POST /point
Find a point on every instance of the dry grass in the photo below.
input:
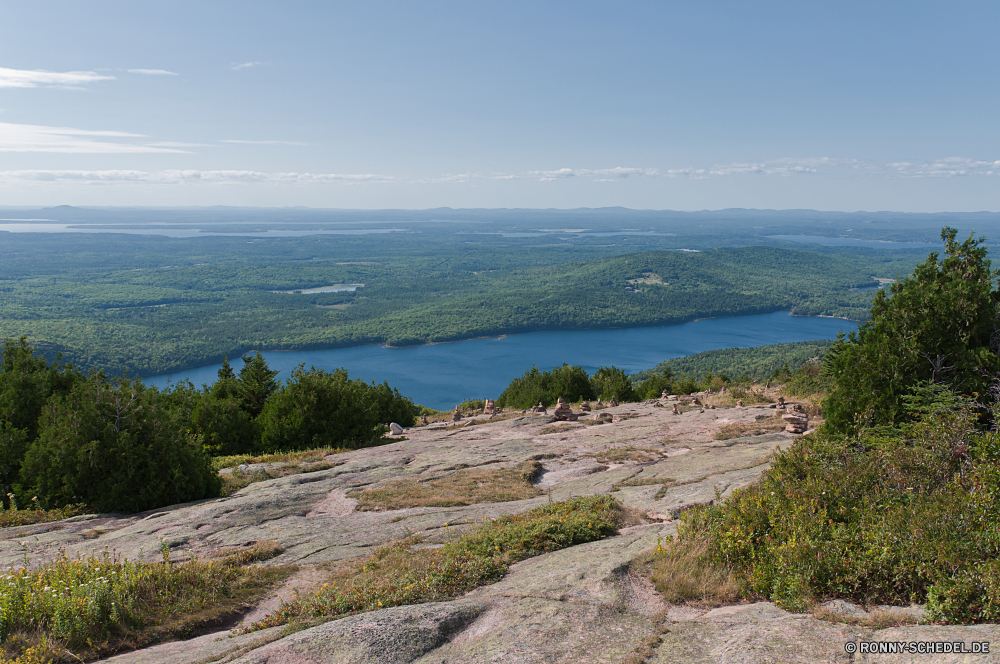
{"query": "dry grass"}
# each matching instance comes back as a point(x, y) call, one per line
point(556, 428)
point(464, 487)
point(318, 454)
point(647, 649)
point(236, 479)
point(876, 618)
point(15, 517)
point(770, 424)
point(680, 571)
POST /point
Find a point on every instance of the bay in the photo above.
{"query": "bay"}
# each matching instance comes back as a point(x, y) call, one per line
point(443, 375)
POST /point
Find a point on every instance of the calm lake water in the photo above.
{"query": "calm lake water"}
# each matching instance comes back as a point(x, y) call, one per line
point(442, 375)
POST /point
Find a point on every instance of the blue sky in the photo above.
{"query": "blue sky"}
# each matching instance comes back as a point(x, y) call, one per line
point(668, 105)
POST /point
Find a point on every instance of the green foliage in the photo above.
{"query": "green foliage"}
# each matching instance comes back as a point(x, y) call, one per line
point(116, 445)
point(610, 382)
point(891, 516)
point(937, 326)
point(545, 387)
point(654, 386)
point(97, 605)
point(758, 363)
point(27, 381)
point(327, 409)
point(256, 383)
point(397, 574)
point(216, 297)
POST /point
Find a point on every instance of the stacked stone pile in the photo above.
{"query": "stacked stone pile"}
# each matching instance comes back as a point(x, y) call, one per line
point(797, 419)
point(457, 415)
point(539, 409)
point(613, 402)
point(490, 407)
point(585, 406)
point(563, 412)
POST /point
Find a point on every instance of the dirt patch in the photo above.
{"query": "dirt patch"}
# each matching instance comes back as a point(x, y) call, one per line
point(464, 487)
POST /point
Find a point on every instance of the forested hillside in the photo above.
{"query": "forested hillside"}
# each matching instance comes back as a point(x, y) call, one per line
point(756, 363)
point(153, 318)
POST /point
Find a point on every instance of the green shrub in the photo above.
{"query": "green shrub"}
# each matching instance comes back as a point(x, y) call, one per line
point(654, 386)
point(317, 408)
point(937, 326)
point(99, 604)
point(117, 445)
point(545, 387)
point(890, 517)
point(613, 382)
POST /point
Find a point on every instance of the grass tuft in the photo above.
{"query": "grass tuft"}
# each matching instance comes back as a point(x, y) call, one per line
point(399, 574)
point(318, 454)
point(464, 487)
point(15, 517)
point(84, 608)
point(236, 479)
point(682, 573)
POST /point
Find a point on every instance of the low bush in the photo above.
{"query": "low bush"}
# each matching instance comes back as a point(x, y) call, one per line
point(116, 445)
point(545, 387)
point(398, 574)
point(890, 516)
point(18, 517)
point(101, 604)
point(681, 574)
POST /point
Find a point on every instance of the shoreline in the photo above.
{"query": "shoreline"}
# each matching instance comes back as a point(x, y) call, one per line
point(497, 337)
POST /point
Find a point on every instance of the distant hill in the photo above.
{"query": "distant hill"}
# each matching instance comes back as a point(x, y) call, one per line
point(758, 363)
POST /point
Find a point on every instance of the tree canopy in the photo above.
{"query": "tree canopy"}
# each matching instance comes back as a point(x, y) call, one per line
point(939, 325)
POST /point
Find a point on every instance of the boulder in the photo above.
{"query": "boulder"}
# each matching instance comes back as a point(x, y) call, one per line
point(395, 429)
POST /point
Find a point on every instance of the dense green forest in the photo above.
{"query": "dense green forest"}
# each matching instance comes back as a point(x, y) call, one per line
point(757, 363)
point(152, 320)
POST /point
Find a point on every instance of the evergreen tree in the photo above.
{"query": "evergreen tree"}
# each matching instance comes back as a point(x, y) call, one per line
point(613, 382)
point(938, 325)
point(256, 383)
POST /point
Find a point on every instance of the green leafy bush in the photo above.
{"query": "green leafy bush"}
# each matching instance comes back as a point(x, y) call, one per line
point(654, 386)
point(317, 408)
point(610, 382)
point(937, 325)
point(116, 445)
point(545, 387)
point(892, 516)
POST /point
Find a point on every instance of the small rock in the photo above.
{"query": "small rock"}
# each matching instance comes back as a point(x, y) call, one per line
point(395, 429)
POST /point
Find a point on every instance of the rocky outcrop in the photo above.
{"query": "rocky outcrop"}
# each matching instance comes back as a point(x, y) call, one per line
point(577, 605)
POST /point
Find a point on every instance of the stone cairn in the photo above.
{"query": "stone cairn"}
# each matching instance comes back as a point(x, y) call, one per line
point(585, 406)
point(797, 419)
point(490, 408)
point(423, 420)
point(539, 409)
point(599, 404)
point(781, 402)
point(613, 402)
point(665, 395)
point(457, 415)
point(676, 412)
point(739, 404)
point(697, 402)
point(563, 412)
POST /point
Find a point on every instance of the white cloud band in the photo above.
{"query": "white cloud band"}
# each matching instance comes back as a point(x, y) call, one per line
point(24, 78)
point(183, 177)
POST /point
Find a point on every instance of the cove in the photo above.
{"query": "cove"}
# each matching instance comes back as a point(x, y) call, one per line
point(442, 375)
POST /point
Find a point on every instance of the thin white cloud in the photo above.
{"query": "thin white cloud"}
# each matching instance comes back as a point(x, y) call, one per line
point(184, 177)
point(24, 78)
point(262, 142)
point(153, 72)
point(247, 65)
point(36, 138)
point(949, 167)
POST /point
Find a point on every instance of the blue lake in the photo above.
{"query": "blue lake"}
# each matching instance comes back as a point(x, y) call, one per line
point(442, 375)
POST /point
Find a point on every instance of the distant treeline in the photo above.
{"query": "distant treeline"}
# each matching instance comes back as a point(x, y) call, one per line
point(203, 305)
point(115, 444)
point(758, 363)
